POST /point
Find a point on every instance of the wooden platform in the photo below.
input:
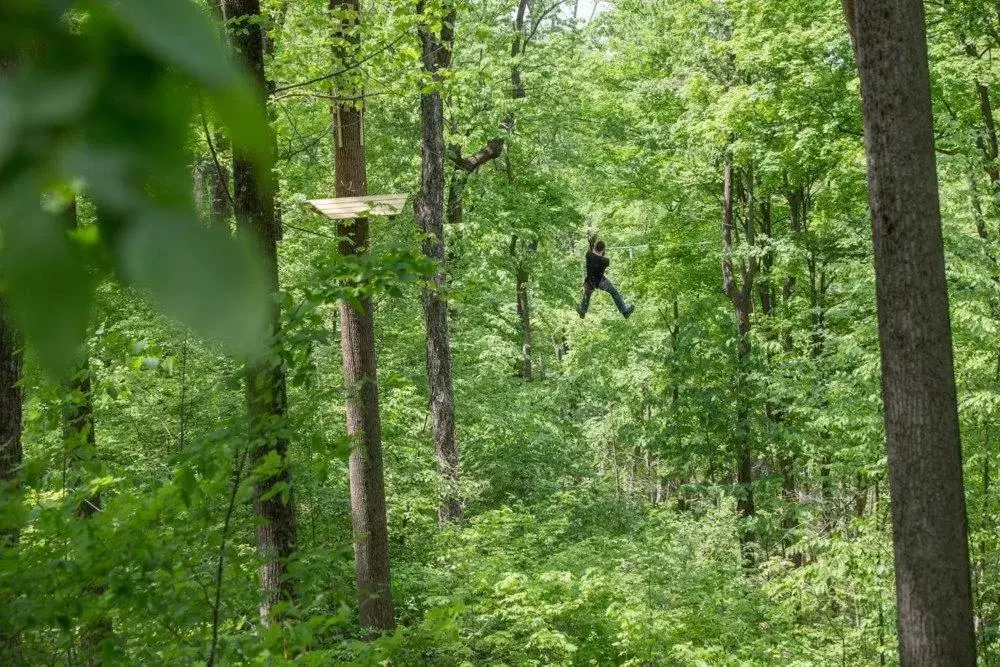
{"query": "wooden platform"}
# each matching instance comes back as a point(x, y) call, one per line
point(340, 208)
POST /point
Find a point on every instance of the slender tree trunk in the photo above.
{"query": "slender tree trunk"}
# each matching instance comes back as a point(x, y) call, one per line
point(675, 399)
point(211, 191)
point(987, 140)
point(933, 589)
point(11, 452)
point(817, 345)
point(456, 188)
point(357, 341)
point(265, 377)
point(523, 317)
point(991, 151)
point(741, 299)
point(775, 414)
point(798, 214)
point(80, 439)
point(522, 274)
point(977, 210)
point(430, 214)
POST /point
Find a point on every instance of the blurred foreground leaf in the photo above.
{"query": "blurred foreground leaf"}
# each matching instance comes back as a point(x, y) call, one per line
point(102, 93)
point(47, 284)
point(199, 275)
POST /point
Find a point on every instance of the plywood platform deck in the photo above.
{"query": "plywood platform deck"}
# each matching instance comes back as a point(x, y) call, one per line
point(340, 208)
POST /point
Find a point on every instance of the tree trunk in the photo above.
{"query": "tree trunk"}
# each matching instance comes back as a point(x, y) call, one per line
point(80, 439)
point(977, 210)
point(491, 151)
point(741, 298)
point(11, 453)
point(11, 400)
point(798, 216)
point(430, 214)
point(817, 347)
point(524, 317)
point(265, 377)
point(211, 192)
point(523, 310)
point(357, 341)
point(991, 151)
point(775, 414)
point(11, 409)
point(675, 396)
point(987, 140)
point(918, 383)
point(522, 275)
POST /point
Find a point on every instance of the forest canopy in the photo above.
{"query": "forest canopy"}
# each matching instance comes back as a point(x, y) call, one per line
point(235, 429)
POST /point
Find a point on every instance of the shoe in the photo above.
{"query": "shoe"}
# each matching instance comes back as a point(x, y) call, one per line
point(628, 311)
point(580, 312)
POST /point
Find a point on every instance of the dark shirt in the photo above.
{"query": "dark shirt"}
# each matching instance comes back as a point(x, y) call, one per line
point(596, 265)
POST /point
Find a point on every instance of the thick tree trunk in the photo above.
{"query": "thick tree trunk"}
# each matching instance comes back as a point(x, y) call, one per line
point(265, 378)
point(918, 383)
point(357, 341)
point(430, 214)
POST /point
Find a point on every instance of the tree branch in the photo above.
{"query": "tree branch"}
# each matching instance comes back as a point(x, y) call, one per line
point(491, 151)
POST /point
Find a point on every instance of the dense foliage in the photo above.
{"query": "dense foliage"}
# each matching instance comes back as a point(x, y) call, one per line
point(604, 522)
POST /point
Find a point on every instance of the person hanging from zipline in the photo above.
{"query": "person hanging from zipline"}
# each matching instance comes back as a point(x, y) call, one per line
point(594, 278)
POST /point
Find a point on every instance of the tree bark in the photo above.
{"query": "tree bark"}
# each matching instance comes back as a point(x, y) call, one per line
point(492, 150)
point(265, 377)
point(522, 276)
point(11, 451)
point(430, 214)
point(741, 299)
point(775, 414)
point(987, 140)
point(523, 311)
point(211, 191)
point(80, 439)
point(357, 340)
point(933, 589)
point(989, 145)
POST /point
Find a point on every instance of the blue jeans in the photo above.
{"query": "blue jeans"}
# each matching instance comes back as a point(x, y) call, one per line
point(608, 287)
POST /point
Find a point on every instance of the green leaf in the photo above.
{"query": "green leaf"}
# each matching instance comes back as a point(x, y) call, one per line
point(60, 98)
point(45, 281)
point(176, 31)
point(10, 119)
point(241, 112)
point(203, 277)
